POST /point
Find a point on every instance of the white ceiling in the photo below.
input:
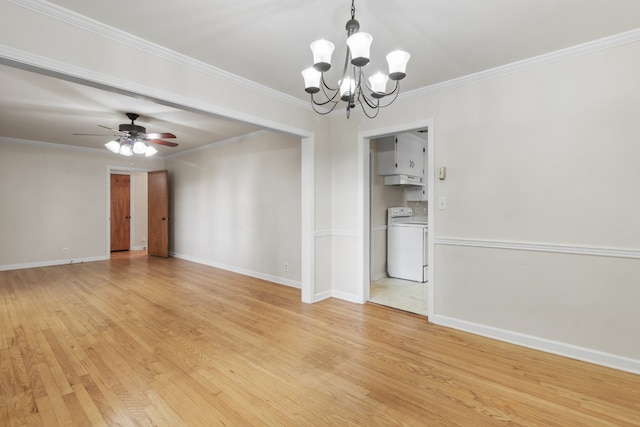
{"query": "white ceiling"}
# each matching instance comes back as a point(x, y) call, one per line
point(267, 42)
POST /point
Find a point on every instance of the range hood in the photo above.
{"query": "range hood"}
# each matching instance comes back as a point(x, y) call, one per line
point(403, 180)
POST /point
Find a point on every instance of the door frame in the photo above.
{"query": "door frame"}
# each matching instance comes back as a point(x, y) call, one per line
point(364, 206)
point(122, 170)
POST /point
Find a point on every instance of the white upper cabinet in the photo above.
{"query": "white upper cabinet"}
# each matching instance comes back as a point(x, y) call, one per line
point(417, 194)
point(401, 155)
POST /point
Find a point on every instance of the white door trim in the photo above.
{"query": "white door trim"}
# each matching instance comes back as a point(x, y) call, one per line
point(364, 256)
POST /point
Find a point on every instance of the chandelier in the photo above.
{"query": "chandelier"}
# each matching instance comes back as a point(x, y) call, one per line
point(353, 88)
point(128, 146)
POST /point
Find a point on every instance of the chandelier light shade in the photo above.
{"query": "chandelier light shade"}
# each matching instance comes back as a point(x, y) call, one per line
point(322, 51)
point(359, 45)
point(312, 79)
point(397, 61)
point(371, 94)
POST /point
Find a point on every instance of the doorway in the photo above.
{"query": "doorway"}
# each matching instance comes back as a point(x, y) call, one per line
point(372, 229)
point(397, 271)
point(120, 212)
point(135, 237)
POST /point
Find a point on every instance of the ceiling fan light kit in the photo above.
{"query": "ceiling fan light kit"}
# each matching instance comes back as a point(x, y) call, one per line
point(353, 87)
point(126, 147)
point(134, 139)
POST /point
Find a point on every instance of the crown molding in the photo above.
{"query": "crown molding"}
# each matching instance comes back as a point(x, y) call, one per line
point(81, 21)
point(53, 145)
point(64, 15)
point(215, 144)
point(536, 61)
point(60, 146)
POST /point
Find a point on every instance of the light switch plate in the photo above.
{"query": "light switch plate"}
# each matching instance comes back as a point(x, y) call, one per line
point(442, 202)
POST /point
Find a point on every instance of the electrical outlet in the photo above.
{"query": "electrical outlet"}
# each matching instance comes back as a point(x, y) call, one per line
point(286, 266)
point(65, 251)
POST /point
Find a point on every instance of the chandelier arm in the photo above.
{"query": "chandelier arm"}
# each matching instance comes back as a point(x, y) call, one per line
point(372, 107)
point(314, 104)
point(322, 113)
point(395, 92)
point(329, 98)
point(369, 101)
point(326, 86)
point(322, 103)
point(382, 95)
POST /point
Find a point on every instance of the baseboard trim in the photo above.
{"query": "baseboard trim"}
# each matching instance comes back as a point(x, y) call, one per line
point(51, 263)
point(554, 347)
point(243, 271)
point(322, 296)
point(346, 297)
point(379, 277)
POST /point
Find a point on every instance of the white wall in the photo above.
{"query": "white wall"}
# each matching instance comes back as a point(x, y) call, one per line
point(54, 198)
point(544, 158)
point(237, 205)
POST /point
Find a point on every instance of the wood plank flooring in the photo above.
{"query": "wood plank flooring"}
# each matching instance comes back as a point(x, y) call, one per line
point(141, 340)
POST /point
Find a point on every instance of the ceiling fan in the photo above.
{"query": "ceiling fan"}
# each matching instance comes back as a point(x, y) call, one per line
point(132, 138)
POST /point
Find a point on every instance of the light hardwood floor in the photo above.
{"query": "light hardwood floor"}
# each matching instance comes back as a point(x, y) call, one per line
point(151, 341)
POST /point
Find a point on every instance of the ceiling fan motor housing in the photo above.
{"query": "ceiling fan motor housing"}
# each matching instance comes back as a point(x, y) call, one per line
point(132, 129)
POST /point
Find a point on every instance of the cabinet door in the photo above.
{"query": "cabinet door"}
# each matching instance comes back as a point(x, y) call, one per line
point(417, 194)
point(387, 156)
point(409, 156)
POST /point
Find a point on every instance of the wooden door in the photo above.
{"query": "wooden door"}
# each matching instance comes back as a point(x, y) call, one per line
point(120, 212)
point(158, 207)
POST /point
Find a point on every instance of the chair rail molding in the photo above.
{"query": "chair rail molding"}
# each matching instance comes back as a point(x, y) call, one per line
point(540, 247)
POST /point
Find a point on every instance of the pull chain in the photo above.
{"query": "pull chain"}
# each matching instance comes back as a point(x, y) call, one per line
point(353, 9)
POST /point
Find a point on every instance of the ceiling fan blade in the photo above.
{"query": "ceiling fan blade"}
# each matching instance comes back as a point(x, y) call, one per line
point(107, 127)
point(161, 142)
point(159, 135)
point(89, 134)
